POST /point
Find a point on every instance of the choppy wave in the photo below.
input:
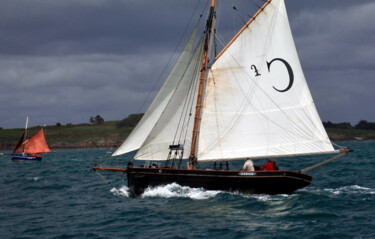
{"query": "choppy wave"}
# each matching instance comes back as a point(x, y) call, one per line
point(267, 197)
point(35, 179)
point(58, 188)
point(346, 190)
point(352, 189)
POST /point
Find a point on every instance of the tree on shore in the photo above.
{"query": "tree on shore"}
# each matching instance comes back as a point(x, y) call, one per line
point(343, 125)
point(97, 120)
point(363, 124)
point(131, 121)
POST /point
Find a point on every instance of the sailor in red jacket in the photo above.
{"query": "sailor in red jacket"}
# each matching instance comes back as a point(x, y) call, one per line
point(270, 166)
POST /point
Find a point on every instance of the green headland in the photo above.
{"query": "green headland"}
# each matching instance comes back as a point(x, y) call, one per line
point(100, 134)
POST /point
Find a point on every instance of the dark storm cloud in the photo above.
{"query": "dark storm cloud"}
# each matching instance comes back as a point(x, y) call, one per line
point(336, 50)
point(64, 61)
point(76, 27)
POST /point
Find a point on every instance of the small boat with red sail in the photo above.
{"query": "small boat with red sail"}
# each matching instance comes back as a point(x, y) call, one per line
point(32, 148)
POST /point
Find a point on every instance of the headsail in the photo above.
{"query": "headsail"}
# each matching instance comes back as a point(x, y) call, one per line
point(176, 122)
point(149, 119)
point(19, 147)
point(257, 102)
point(37, 144)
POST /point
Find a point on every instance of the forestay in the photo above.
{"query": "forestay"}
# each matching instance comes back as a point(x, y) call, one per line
point(257, 102)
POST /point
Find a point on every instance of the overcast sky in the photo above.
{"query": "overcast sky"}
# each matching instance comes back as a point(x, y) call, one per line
point(64, 61)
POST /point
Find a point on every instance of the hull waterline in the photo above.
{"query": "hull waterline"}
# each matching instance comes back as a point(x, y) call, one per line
point(257, 182)
point(25, 158)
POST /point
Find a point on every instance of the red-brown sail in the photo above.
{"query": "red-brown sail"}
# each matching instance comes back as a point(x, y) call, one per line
point(19, 148)
point(37, 144)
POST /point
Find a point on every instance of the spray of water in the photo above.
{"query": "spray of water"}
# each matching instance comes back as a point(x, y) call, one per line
point(175, 190)
point(122, 192)
point(168, 191)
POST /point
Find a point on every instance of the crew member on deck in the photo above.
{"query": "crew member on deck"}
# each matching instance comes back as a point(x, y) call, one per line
point(248, 166)
point(270, 166)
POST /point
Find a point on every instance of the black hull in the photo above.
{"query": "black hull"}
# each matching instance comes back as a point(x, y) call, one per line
point(258, 182)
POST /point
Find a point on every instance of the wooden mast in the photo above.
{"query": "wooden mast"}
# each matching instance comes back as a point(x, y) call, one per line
point(208, 32)
point(192, 157)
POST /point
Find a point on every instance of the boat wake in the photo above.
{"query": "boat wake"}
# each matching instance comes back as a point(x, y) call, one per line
point(168, 191)
point(175, 190)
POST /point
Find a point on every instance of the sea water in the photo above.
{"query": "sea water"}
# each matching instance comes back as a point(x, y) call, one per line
point(62, 197)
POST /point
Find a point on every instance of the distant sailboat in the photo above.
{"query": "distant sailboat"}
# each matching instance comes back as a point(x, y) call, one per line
point(30, 149)
point(252, 101)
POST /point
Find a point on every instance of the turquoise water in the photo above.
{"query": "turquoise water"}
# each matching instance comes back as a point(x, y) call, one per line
point(61, 197)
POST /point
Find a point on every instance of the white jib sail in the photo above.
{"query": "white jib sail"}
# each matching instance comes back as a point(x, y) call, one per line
point(149, 119)
point(175, 125)
point(257, 102)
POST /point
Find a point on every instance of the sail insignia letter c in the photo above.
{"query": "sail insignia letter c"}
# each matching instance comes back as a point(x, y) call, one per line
point(290, 72)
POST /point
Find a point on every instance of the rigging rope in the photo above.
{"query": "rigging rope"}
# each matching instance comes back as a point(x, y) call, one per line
point(185, 116)
point(170, 59)
point(101, 161)
point(192, 95)
point(105, 180)
point(339, 146)
point(105, 157)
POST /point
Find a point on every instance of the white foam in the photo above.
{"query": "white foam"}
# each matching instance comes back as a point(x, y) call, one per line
point(35, 179)
point(353, 189)
point(122, 192)
point(175, 190)
point(268, 198)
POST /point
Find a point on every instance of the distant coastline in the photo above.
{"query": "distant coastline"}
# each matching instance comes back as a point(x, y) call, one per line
point(112, 133)
point(114, 144)
point(106, 143)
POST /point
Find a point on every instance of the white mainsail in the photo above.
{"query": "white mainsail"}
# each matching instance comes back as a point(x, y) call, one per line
point(149, 119)
point(175, 125)
point(257, 102)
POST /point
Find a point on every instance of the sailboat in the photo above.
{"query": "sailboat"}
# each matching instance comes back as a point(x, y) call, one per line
point(250, 101)
point(30, 149)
